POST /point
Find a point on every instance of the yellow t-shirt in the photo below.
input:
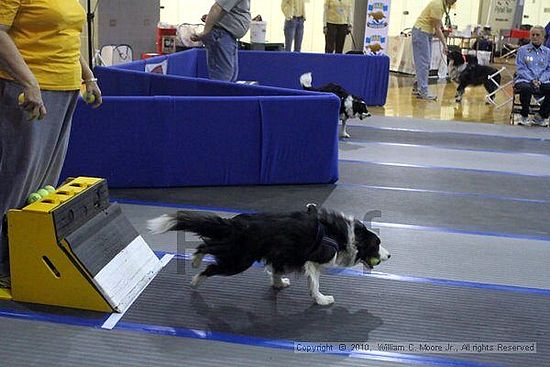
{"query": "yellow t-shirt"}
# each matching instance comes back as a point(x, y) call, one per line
point(432, 12)
point(47, 34)
point(293, 8)
point(337, 12)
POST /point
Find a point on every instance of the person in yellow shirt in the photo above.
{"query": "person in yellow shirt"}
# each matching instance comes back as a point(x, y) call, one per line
point(40, 58)
point(337, 19)
point(295, 16)
point(428, 23)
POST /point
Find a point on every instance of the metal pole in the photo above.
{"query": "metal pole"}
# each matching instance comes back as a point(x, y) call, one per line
point(90, 19)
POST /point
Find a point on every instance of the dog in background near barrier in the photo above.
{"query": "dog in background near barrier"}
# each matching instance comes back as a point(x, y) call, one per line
point(350, 106)
point(466, 71)
point(300, 241)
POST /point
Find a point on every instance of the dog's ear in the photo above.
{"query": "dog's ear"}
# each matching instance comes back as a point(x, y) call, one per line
point(366, 241)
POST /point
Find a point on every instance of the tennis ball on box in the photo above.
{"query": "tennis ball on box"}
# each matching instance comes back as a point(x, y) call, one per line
point(49, 188)
point(43, 192)
point(33, 197)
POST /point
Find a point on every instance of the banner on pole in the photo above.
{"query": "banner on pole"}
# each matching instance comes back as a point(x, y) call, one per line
point(376, 28)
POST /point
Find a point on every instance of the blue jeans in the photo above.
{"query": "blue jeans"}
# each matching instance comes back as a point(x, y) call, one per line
point(422, 53)
point(294, 31)
point(222, 56)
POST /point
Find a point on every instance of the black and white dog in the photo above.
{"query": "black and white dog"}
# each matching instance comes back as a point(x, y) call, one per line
point(301, 241)
point(350, 106)
point(465, 71)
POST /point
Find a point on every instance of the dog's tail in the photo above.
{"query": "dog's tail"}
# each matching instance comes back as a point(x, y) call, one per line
point(205, 225)
point(306, 80)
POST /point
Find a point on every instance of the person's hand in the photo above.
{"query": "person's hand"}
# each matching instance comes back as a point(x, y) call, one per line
point(536, 83)
point(325, 29)
point(32, 103)
point(196, 37)
point(92, 88)
point(350, 28)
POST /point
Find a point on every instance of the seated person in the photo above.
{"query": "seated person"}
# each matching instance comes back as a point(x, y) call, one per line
point(533, 77)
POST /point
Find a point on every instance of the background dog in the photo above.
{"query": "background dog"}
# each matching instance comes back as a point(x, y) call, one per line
point(465, 71)
point(302, 241)
point(350, 106)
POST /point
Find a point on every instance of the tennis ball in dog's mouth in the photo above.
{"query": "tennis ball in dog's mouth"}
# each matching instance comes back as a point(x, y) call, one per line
point(373, 261)
point(21, 98)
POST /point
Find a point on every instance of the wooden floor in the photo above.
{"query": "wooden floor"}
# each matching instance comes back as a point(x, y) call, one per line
point(401, 102)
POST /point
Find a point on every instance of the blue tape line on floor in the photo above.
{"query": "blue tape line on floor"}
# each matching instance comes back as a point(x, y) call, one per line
point(289, 345)
point(230, 338)
point(58, 319)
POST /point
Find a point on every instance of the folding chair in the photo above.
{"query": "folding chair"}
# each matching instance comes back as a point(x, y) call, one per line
point(115, 54)
point(504, 88)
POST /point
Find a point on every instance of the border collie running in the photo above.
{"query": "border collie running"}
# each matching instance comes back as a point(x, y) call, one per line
point(301, 241)
point(350, 106)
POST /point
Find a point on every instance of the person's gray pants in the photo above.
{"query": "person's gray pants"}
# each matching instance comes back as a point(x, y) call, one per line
point(422, 53)
point(31, 152)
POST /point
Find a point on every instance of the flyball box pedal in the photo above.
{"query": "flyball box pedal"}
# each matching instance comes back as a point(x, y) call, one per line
point(73, 248)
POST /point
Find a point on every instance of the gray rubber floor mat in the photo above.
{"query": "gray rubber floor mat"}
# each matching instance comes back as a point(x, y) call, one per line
point(451, 140)
point(447, 180)
point(49, 344)
point(366, 309)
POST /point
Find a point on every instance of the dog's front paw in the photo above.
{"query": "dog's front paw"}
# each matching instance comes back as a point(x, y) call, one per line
point(345, 135)
point(281, 283)
point(324, 300)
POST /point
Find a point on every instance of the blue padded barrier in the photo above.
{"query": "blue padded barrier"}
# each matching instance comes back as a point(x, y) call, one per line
point(116, 82)
point(206, 133)
point(362, 75)
point(365, 76)
point(167, 141)
point(290, 148)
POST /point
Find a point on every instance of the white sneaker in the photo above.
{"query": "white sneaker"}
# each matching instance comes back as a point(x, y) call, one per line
point(539, 121)
point(524, 120)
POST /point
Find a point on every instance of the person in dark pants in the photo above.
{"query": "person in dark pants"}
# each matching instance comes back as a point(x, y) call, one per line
point(533, 77)
point(337, 18)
